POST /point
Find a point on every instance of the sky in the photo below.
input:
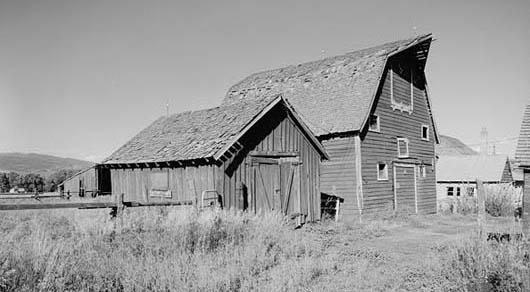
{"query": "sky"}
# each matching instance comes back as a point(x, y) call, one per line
point(80, 78)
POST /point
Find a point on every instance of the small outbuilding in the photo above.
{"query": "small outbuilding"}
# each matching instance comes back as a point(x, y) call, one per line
point(457, 175)
point(251, 155)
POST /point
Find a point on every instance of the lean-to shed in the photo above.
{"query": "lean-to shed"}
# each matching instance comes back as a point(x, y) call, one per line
point(253, 154)
point(92, 181)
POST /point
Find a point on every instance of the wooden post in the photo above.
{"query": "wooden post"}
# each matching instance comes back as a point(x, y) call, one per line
point(481, 204)
point(119, 205)
point(525, 216)
point(337, 209)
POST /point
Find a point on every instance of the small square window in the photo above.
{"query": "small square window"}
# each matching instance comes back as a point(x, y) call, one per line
point(425, 132)
point(374, 123)
point(382, 171)
point(403, 147)
point(450, 191)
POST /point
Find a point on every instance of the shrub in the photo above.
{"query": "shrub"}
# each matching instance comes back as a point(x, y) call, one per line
point(502, 199)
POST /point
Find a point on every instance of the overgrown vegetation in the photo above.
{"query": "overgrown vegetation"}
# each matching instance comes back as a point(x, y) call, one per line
point(500, 200)
point(163, 249)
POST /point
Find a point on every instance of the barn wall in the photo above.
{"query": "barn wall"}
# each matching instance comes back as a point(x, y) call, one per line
point(382, 146)
point(89, 180)
point(276, 132)
point(338, 173)
point(185, 183)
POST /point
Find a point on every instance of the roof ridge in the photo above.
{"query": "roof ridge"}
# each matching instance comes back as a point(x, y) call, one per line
point(322, 60)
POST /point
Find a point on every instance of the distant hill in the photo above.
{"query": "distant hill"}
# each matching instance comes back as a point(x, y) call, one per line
point(38, 163)
point(452, 146)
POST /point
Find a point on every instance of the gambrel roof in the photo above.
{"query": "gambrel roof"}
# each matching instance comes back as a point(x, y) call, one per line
point(522, 152)
point(335, 94)
point(202, 134)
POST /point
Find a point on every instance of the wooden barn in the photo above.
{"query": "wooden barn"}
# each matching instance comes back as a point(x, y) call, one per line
point(255, 155)
point(371, 111)
point(90, 182)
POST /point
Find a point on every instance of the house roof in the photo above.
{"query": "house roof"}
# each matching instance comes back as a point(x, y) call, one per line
point(199, 134)
point(488, 168)
point(522, 152)
point(334, 94)
point(452, 146)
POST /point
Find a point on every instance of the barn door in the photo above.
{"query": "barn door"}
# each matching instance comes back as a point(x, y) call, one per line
point(275, 185)
point(405, 188)
point(290, 182)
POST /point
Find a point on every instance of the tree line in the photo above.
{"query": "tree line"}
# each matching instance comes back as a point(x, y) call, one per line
point(33, 182)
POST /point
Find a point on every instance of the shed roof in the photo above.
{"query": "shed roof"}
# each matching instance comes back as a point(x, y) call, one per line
point(334, 94)
point(488, 168)
point(199, 134)
point(522, 152)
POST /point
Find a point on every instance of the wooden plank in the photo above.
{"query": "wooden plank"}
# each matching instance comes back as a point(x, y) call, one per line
point(71, 205)
point(525, 216)
point(481, 202)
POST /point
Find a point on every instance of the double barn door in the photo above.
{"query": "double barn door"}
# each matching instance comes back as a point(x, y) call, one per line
point(275, 184)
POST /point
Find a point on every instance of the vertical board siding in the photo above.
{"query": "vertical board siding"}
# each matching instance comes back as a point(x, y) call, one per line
point(135, 183)
point(89, 180)
point(337, 175)
point(382, 146)
point(276, 132)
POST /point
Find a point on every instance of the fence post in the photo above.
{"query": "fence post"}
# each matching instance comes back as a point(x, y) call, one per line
point(481, 204)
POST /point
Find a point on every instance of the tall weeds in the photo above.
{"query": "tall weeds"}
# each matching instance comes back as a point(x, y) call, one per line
point(154, 251)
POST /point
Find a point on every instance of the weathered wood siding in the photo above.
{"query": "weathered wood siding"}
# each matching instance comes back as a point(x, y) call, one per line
point(277, 131)
point(337, 175)
point(185, 183)
point(382, 146)
point(88, 176)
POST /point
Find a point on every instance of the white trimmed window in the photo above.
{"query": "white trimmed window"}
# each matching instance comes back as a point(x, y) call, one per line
point(382, 171)
point(425, 132)
point(450, 191)
point(374, 125)
point(403, 147)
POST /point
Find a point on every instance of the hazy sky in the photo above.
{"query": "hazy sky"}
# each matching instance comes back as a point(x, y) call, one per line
point(80, 78)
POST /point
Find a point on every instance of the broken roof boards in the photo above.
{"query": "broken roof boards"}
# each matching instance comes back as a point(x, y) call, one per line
point(338, 97)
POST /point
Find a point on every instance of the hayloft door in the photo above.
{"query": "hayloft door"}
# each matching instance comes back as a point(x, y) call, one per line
point(405, 188)
point(274, 185)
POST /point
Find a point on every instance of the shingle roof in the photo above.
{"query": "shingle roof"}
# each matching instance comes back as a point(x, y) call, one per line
point(488, 168)
point(333, 94)
point(196, 134)
point(522, 152)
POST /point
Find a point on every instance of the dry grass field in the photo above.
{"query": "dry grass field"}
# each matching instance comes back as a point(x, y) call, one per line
point(171, 249)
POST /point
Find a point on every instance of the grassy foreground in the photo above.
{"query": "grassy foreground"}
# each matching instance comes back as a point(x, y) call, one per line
point(160, 249)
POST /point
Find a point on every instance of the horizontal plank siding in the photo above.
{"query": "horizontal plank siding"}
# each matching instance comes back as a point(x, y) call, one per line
point(337, 175)
point(381, 147)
